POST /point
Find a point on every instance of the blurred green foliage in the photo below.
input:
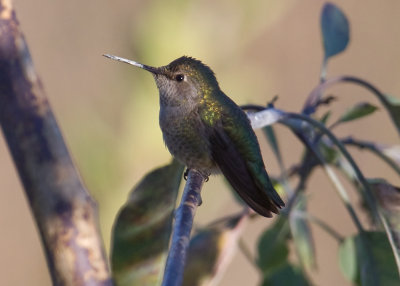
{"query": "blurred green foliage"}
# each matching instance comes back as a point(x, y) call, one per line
point(143, 227)
point(353, 261)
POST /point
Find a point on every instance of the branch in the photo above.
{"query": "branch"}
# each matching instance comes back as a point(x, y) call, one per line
point(377, 149)
point(191, 199)
point(64, 211)
point(315, 96)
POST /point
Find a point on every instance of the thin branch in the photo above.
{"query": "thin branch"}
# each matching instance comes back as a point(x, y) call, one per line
point(184, 217)
point(65, 213)
point(373, 147)
point(304, 174)
point(322, 225)
point(343, 195)
point(316, 94)
point(263, 117)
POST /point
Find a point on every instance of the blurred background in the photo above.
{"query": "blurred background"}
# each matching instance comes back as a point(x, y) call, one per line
point(108, 111)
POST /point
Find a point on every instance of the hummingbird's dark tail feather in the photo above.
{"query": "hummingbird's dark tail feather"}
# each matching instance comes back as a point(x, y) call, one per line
point(263, 200)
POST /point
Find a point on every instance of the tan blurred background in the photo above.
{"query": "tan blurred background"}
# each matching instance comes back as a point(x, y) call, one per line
point(108, 111)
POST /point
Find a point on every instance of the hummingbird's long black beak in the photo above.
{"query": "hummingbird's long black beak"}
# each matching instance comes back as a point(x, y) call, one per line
point(136, 64)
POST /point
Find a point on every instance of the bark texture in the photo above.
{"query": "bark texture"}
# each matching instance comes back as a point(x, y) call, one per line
point(64, 211)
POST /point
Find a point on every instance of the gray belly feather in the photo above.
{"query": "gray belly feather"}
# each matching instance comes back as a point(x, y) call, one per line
point(186, 139)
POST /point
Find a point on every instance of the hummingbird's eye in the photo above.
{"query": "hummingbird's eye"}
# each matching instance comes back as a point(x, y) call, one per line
point(179, 77)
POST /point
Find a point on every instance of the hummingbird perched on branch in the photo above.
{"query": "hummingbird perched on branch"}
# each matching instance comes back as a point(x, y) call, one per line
point(205, 130)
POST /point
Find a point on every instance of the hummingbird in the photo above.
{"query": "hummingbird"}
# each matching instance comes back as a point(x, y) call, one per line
point(206, 131)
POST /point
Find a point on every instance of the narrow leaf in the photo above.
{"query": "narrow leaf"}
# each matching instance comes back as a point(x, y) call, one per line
point(273, 142)
point(335, 30)
point(211, 250)
point(325, 117)
point(328, 152)
point(142, 229)
point(358, 111)
point(348, 259)
point(302, 236)
point(392, 104)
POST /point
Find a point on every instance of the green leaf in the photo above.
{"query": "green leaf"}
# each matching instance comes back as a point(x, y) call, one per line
point(348, 259)
point(288, 275)
point(142, 229)
point(211, 249)
point(272, 246)
point(273, 142)
point(301, 233)
point(358, 111)
point(392, 104)
point(325, 117)
point(335, 30)
point(354, 260)
point(330, 154)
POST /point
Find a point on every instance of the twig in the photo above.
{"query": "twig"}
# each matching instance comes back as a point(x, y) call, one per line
point(316, 94)
point(64, 211)
point(373, 148)
point(322, 225)
point(343, 195)
point(191, 199)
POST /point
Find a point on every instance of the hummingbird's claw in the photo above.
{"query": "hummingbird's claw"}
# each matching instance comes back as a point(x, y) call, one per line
point(185, 175)
point(199, 200)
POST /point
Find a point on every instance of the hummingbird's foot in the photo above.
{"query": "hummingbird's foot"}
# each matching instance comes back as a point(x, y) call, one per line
point(204, 174)
point(199, 200)
point(185, 175)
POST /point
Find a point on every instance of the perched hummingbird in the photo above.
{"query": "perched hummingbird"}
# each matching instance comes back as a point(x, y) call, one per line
point(205, 130)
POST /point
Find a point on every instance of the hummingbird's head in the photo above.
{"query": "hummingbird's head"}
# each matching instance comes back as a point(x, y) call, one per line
point(183, 82)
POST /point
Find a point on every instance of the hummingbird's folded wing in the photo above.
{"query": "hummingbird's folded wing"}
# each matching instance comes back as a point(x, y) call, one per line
point(238, 169)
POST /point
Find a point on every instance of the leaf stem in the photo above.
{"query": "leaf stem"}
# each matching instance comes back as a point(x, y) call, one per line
point(321, 224)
